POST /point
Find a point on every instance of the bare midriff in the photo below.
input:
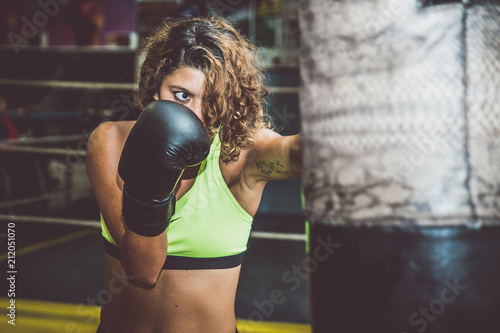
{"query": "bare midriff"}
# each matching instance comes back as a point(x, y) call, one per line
point(182, 301)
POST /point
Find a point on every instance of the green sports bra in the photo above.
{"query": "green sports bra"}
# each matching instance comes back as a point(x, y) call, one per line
point(209, 229)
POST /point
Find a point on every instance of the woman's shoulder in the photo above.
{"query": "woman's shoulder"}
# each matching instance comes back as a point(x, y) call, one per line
point(109, 135)
point(106, 143)
point(262, 136)
point(247, 158)
point(111, 130)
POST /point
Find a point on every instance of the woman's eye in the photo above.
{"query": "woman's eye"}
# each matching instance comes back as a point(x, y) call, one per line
point(182, 96)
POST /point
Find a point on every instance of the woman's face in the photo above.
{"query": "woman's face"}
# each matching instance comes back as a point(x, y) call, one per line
point(184, 86)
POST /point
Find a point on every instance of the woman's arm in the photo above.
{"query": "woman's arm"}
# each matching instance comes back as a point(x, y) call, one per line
point(274, 157)
point(142, 257)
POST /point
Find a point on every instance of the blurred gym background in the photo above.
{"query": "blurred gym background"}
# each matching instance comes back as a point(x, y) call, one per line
point(67, 66)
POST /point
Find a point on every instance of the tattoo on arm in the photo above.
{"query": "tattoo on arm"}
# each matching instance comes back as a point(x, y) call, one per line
point(268, 167)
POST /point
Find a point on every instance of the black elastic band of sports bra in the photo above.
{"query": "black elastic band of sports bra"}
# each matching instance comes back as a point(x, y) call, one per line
point(180, 262)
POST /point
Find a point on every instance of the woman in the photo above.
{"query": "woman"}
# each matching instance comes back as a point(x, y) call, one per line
point(183, 276)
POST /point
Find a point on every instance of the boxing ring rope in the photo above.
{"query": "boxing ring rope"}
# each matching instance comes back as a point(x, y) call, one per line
point(97, 225)
point(50, 220)
point(45, 151)
point(46, 196)
point(278, 236)
point(16, 145)
point(107, 85)
point(45, 139)
point(12, 146)
point(69, 84)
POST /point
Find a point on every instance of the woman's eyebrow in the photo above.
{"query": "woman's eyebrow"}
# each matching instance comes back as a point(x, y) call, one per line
point(181, 88)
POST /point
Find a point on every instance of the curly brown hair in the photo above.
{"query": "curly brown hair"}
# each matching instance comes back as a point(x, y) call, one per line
point(233, 89)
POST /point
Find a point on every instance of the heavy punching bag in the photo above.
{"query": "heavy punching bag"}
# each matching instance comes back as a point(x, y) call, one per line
point(400, 111)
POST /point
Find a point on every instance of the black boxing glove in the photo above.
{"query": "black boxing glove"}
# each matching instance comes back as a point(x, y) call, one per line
point(166, 138)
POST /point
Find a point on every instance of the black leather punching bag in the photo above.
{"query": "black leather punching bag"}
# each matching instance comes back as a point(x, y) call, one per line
point(400, 111)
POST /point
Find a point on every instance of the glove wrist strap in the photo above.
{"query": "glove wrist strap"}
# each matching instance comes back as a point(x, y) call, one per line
point(147, 219)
